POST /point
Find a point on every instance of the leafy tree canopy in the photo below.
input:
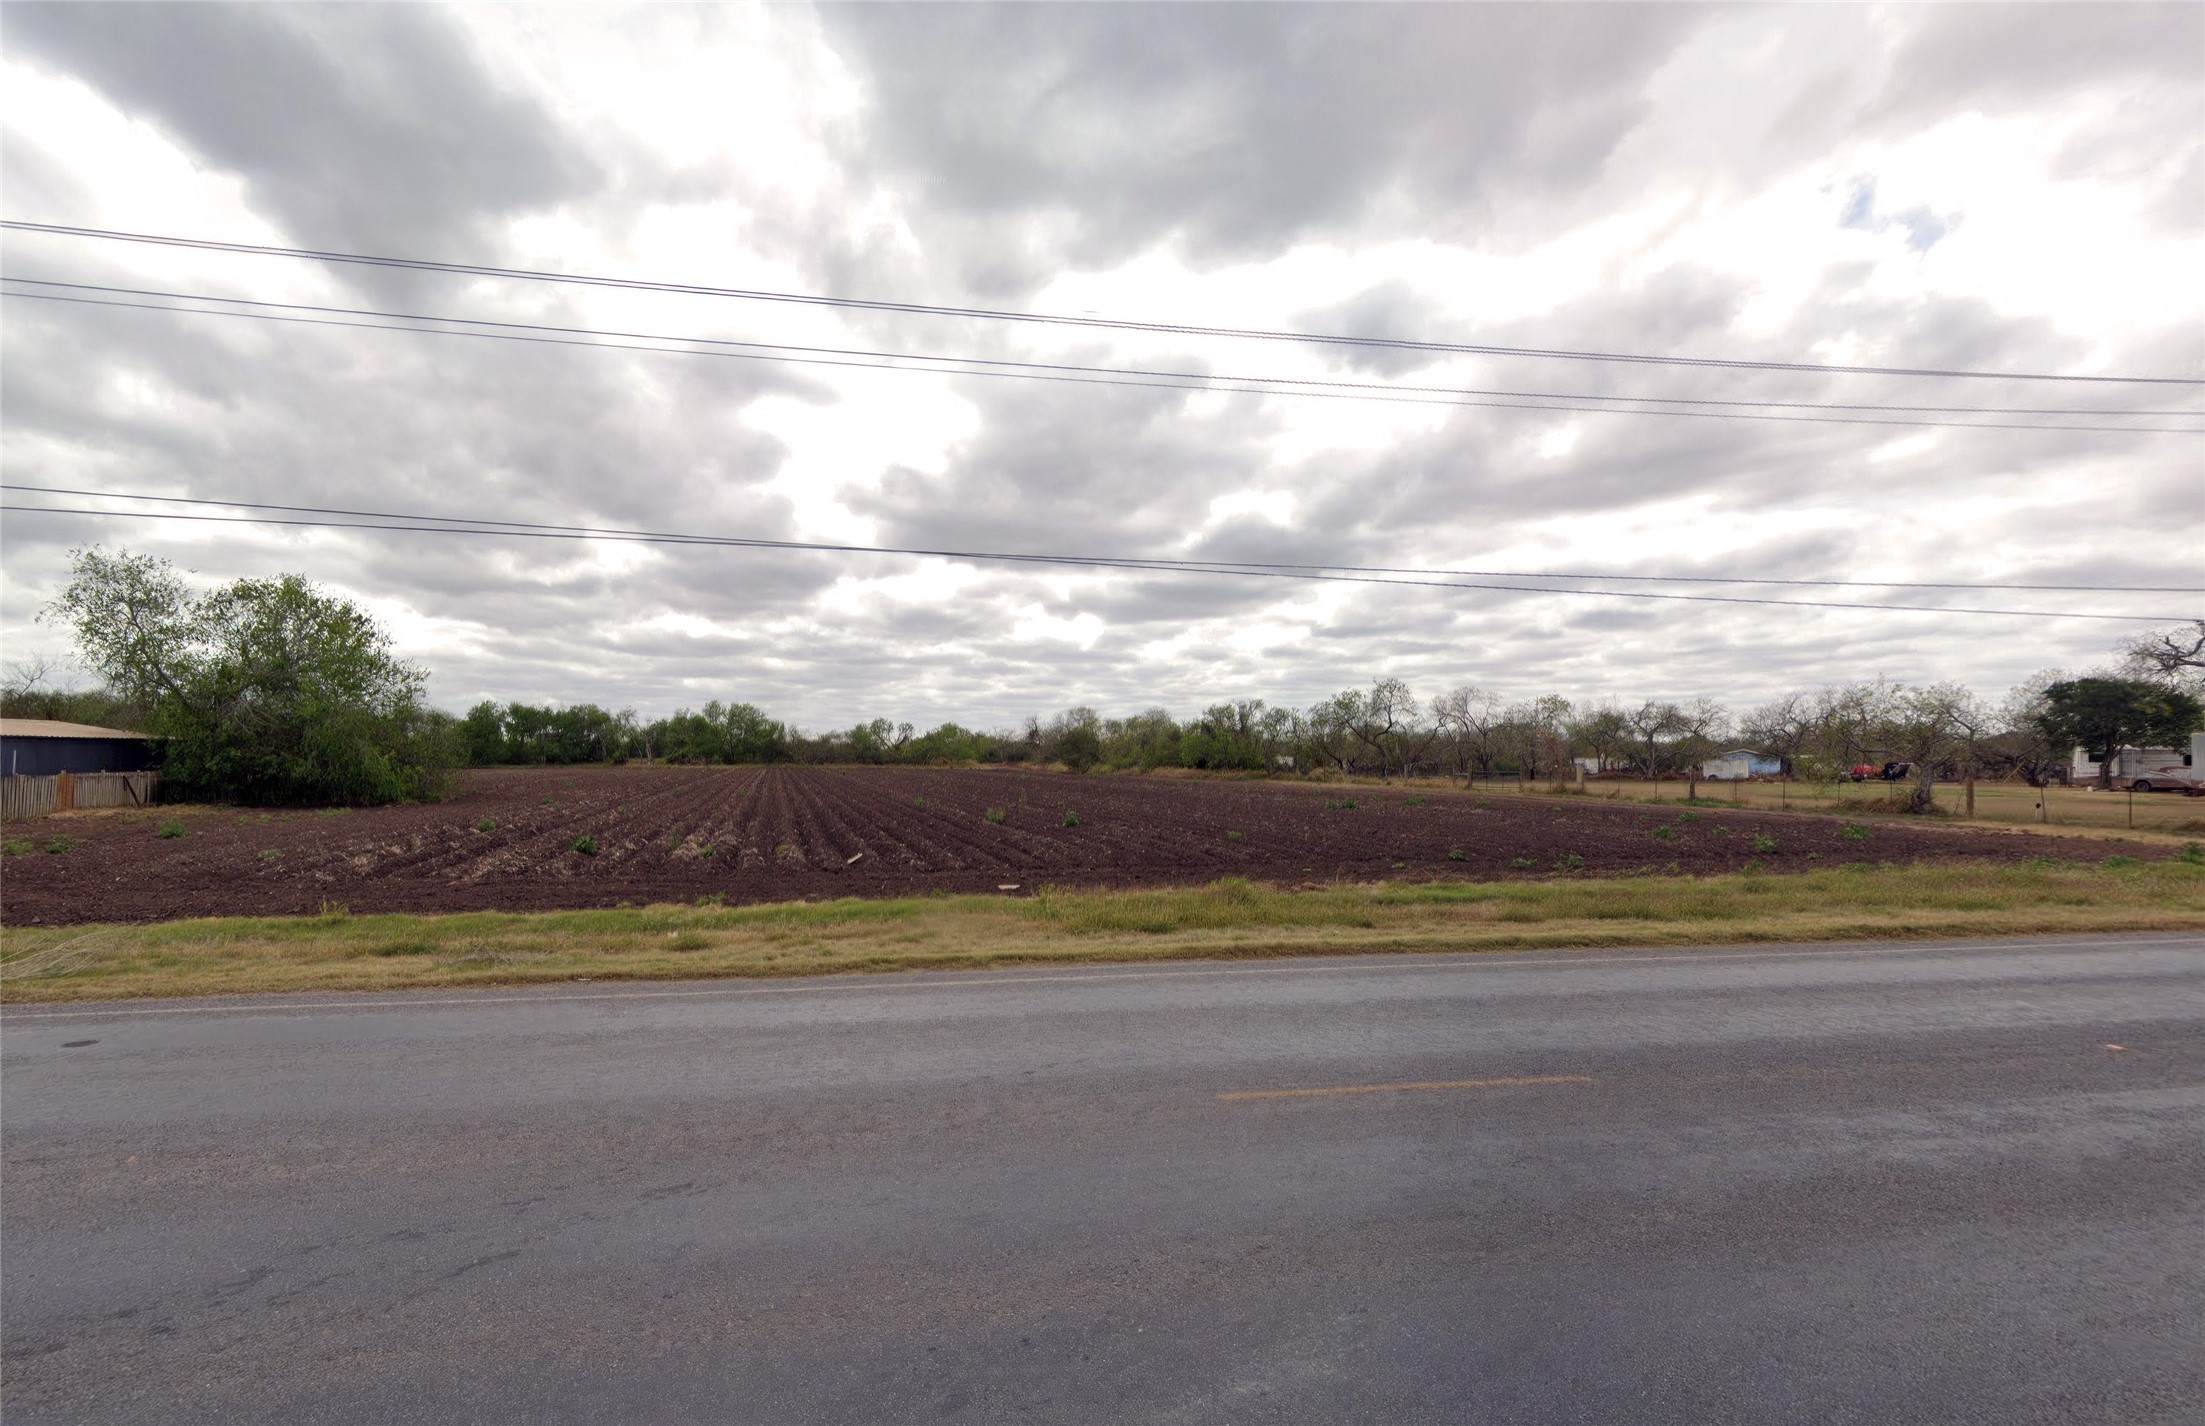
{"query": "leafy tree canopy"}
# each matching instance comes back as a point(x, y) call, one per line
point(2106, 714)
point(265, 690)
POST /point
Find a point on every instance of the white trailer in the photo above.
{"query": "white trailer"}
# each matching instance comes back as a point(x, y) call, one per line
point(2146, 769)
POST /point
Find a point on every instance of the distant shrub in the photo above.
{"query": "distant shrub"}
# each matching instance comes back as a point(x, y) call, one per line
point(586, 845)
point(172, 829)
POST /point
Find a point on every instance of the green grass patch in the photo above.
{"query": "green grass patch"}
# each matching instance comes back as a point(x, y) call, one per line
point(172, 829)
point(1232, 917)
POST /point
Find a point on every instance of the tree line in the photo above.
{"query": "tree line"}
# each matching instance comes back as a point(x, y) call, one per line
point(273, 691)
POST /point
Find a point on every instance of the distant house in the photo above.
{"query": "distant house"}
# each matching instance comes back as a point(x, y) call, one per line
point(1739, 764)
point(41, 747)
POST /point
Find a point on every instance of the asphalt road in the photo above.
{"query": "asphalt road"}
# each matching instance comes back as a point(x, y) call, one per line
point(1827, 1185)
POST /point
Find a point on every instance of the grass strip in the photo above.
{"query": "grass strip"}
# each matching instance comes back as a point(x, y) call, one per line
point(1229, 918)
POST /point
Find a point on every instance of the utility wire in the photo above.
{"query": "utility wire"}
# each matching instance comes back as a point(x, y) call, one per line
point(1378, 386)
point(1142, 561)
point(976, 366)
point(1059, 320)
point(518, 530)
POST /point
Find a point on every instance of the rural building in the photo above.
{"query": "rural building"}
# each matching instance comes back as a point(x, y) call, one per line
point(1739, 764)
point(41, 747)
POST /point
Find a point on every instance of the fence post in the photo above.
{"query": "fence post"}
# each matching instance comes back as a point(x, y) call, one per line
point(65, 793)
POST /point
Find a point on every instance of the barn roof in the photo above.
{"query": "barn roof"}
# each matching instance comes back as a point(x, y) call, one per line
point(51, 728)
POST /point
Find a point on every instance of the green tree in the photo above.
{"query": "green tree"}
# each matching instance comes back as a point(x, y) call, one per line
point(264, 690)
point(482, 735)
point(2105, 715)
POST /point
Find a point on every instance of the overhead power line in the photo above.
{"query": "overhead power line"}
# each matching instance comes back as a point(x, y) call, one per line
point(1382, 387)
point(450, 525)
point(486, 328)
point(1058, 319)
point(1139, 561)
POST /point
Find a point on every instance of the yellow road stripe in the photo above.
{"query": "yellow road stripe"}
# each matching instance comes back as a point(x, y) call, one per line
point(1336, 1089)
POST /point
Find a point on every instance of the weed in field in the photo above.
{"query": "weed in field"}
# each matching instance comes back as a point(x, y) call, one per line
point(405, 948)
point(1814, 856)
point(1664, 834)
point(1687, 818)
point(1722, 831)
point(1398, 866)
point(1232, 836)
point(1345, 804)
point(996, 815)
point(1455, 854)
point(1853, 832)
point(1071, 818)
point(61, 846)
point(332, 812)
point(2117, 861)
point(1523, 863)
point(708, 851)
point(586, 845)
point(271, 855)
point(487, 824)
point(713, 898)
point(1417, 801)
point(918, 802)
point(17, 847)
point(546, 802)
point(2193, 854)
point(333, 912)
point(172, 829)
point(688, 941)
point(1570, 862)
point(1763, 842)
point(1484, 802)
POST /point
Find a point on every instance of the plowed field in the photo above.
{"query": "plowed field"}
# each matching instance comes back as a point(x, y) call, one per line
point(505, 841)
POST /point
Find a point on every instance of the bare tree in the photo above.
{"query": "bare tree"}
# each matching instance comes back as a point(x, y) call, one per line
point(1929, 727)
point(1467, 718)
point(1782, 726)
point(2175, 655)
point(1652, 724)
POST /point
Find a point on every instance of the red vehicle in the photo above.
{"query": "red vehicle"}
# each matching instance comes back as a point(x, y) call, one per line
point(1887, 772)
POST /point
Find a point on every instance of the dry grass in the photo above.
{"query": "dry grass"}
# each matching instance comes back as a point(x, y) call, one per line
point(1230, 918)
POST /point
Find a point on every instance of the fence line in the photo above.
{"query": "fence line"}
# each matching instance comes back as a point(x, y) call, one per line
point(25, 796)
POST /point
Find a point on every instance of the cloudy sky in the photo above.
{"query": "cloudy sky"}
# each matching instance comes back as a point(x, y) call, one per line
point(1965, 187)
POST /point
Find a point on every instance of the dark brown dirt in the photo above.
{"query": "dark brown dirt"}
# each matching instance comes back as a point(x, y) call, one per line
point(778, 834)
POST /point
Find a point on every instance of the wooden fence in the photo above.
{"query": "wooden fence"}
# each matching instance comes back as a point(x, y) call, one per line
point(67, 791)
